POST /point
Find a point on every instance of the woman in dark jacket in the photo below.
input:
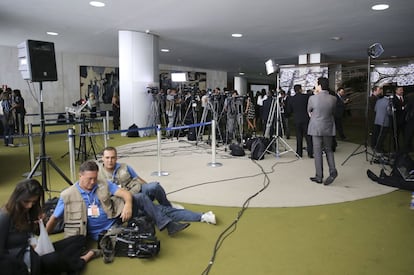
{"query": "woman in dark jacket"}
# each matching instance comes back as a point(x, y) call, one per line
point(19, 223)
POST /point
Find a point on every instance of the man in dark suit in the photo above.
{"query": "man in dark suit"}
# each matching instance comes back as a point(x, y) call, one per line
point(321, 108)
point(340, 110)
point(399, 102)
point(298, 105)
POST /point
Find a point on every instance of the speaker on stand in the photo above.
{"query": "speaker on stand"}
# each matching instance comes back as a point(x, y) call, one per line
point(37, 63)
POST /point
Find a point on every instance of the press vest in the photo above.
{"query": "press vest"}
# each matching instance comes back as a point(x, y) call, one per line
point(122, 178)
point(75, 216)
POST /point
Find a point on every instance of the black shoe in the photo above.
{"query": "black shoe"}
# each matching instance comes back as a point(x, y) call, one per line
point(315, 179)
point(175, 227)
point(330, 179)
point(310, 156)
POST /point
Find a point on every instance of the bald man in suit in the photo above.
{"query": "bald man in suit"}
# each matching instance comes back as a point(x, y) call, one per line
point(321, 109)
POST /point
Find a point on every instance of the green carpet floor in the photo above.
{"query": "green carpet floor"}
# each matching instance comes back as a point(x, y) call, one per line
point(370, 236)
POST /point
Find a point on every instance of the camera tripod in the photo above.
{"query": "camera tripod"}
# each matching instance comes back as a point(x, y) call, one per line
point(154, 114)
point(211, 110)
point(191, 107)
point(43, 158)
point(275, 109)
point(234, 125)
point(82, 148)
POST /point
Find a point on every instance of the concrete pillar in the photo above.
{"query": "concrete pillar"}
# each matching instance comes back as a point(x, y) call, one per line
point(240, 85)
point(138, 68)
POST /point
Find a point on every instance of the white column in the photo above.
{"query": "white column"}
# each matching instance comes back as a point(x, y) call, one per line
point(240, 85)
point(138, 68)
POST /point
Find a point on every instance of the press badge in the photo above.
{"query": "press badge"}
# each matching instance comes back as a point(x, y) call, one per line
point(93, 211)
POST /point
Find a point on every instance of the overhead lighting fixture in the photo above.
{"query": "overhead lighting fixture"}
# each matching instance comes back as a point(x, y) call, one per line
point(97, 4)
point(165, 50)
point(241, 73)
point(52, 33)
point(380, 7)
point(237, 35)
point(336, 38)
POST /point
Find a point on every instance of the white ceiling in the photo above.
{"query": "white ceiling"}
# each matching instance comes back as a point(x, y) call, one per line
point(198, 33)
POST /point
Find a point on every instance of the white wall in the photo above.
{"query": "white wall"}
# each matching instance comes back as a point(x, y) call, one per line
point(62, 93)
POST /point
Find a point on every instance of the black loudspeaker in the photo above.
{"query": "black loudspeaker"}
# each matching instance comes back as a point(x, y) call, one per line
point(37, 61)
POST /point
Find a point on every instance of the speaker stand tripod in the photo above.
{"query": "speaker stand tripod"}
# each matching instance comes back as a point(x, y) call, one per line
point(275, 108)
point(43, 158)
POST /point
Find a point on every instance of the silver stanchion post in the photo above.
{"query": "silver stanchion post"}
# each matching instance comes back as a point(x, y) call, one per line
point(31, 151)
point(71, 142)
point(107, 124)
point(105, 136)
point(213, 162)
point(159, 173)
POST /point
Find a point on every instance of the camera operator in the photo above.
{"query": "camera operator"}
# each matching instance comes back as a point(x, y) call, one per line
point(231, 111)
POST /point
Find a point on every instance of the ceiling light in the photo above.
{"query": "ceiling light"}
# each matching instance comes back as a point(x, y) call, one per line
point(165, 50)
point(237, 35)
point(52, 33)
point(336, 38)
point(241, 73)
point(380, 7)
point(97, 4)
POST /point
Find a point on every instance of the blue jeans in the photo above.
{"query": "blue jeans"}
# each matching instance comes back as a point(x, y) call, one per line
point(179, 215)
point(143, 203)
point(155, 191)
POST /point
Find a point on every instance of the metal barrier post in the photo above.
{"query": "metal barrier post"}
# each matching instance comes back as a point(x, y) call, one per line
point(31, 151)
point(213, 162)
point(105, 136)
point(159, 172)
point(71, 142)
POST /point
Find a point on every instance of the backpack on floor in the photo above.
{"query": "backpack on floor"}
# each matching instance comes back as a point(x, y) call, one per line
point(258, 148)
point(133, 131)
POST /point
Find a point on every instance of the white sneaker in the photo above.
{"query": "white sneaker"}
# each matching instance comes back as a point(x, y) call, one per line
point(208, 217)
point(177, 206)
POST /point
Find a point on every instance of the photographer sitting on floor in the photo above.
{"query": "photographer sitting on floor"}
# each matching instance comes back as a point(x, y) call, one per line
point(124, 176)
point(91, 206)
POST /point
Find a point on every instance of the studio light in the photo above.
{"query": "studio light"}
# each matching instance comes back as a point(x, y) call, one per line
point(271, 67)
point(375, 50)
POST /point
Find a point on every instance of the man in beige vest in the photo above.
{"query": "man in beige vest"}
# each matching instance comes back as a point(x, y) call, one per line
point(91, 206)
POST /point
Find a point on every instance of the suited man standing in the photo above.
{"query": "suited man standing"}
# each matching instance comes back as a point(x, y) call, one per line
point(298, 105)
point(340, 110)
point(399, 102)
point(321, 109)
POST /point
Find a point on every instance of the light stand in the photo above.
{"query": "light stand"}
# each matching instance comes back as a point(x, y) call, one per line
point(43, 158)
point(374, 51)
point(274, 68)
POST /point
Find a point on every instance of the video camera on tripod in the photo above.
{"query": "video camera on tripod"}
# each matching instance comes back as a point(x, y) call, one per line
point(152, 90)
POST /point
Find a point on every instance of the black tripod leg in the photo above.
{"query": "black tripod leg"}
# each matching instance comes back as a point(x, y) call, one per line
point(30, 175)
point(354, 153)
point(59, 171)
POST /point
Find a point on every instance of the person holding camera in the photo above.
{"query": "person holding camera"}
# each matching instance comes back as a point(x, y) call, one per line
point(124, 176)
